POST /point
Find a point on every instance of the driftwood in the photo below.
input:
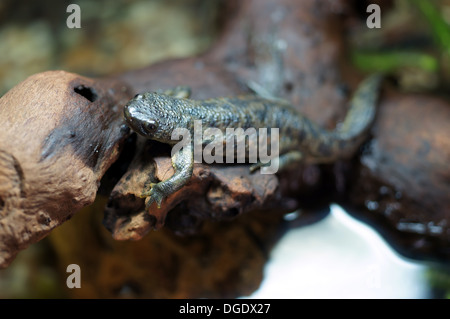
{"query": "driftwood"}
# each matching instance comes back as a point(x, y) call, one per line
point(62, 132)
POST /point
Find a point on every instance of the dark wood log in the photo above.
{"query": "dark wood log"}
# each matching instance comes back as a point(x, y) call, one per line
point(402, 182)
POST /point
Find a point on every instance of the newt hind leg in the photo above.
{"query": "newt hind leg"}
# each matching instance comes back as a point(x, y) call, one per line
point(281, 162)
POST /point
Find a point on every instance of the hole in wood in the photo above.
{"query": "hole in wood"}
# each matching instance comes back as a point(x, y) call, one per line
point(86, 92)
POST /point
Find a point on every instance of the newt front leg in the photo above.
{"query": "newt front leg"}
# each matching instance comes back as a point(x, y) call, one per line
point(183, 164)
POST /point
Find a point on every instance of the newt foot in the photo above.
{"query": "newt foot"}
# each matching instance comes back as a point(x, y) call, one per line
point(155, 194)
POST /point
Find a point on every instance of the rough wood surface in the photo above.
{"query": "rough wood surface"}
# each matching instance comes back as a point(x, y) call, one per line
point(55, 146)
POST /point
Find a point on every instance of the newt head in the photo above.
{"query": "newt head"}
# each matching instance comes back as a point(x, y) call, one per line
point(153, 116)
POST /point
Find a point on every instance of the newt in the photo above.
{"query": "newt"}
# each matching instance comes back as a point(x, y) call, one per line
point(156, 115)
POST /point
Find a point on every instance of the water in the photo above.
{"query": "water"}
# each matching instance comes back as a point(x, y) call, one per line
point(339, 257)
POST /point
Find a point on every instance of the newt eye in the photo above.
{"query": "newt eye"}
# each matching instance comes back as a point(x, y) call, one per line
point(150, 126)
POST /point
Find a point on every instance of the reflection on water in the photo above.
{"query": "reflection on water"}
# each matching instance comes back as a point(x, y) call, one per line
point(339, 257)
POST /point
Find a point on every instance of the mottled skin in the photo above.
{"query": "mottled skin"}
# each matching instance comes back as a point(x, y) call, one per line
point(156, 115)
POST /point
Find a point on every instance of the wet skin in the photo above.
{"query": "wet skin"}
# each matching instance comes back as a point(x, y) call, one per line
point(156, 115)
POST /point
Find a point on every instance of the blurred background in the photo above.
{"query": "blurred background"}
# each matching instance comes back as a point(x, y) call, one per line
point(335, 257)
point(114, 36)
